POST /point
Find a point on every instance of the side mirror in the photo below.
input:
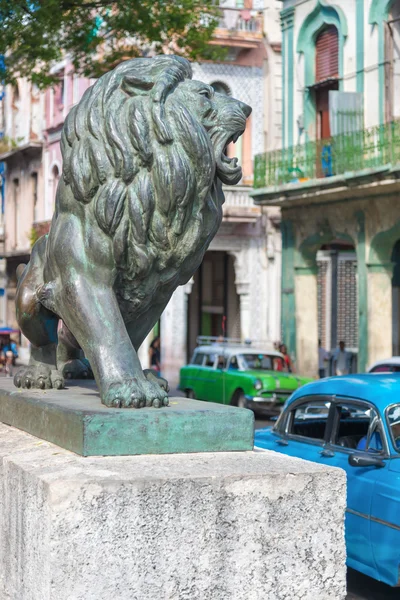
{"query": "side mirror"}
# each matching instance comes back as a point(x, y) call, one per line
point(365, 460)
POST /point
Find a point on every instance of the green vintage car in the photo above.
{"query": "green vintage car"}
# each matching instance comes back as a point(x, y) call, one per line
point(240, 375)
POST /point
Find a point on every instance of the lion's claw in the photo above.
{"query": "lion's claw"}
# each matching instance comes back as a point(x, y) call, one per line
point(134, 393)
point(38, 377)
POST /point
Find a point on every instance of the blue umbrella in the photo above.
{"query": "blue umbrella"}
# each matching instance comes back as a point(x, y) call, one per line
point(8, 330)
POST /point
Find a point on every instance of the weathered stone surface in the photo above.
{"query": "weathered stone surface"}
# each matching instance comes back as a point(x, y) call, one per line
point(227, 526)
point(75, 419)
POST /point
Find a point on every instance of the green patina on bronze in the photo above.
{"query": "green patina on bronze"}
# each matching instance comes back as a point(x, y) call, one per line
point(75, 419)
point(139, 201)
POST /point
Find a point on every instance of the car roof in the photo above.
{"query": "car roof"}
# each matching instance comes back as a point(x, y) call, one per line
point(393, 360)
point(225, 350)
point(380, 389)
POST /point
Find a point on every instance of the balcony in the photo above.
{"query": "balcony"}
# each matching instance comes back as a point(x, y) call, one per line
point(239, 206)
point(347, 159)
point(241, 28)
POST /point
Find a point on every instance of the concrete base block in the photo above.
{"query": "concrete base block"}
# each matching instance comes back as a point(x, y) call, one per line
point(223, 526)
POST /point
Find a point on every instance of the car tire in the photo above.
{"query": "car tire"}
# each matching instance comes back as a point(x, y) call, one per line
point(239, 399)
point(190, 394)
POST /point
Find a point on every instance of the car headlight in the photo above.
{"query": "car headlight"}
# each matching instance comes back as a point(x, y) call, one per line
point(258, 384)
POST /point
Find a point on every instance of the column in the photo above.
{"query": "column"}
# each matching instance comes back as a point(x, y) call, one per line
point(379, 281)
point(306, 321)
point(288, 312)
point(173, 336)
point(287, 25)
point(243, 290)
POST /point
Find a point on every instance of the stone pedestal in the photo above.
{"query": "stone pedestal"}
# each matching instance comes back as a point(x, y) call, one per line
point(76, 420)
point(226, 526)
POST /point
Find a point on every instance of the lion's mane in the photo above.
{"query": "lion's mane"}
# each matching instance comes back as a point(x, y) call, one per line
point(142, 163)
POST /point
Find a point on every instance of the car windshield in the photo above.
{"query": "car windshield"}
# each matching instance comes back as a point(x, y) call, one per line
point(266, 362)
point(393, 419)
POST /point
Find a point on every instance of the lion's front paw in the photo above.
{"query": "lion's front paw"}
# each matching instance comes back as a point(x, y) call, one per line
point(134, 393)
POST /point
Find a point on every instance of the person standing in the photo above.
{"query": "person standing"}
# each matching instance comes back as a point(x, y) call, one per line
point(323, 356)
point(341, 360)
point(286, 358)
point(155, 355)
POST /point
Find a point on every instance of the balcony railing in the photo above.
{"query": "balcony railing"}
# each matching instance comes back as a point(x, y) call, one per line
point(354, 151)
point(235, 20)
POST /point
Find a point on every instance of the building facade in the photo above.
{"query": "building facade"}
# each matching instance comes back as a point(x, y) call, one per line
point(236, 291)
point(336, 178)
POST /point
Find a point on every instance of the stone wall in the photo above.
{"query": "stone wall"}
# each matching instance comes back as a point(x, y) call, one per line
point(228, 526)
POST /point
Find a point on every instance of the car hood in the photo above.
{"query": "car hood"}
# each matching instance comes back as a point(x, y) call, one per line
point(279, 380)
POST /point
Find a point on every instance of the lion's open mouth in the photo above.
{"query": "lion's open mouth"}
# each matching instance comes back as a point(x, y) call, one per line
point(228, 169)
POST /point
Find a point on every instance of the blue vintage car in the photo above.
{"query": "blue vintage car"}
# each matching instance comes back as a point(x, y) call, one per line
point(352, 422)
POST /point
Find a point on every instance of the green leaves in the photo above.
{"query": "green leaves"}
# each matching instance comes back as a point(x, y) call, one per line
point(97, 34)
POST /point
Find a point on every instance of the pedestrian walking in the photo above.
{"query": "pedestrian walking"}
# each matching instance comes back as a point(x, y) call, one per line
point(341, 360)
point(323, 356)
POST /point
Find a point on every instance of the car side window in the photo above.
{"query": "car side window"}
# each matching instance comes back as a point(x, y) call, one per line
point(358, 427)
point(233, 363)
point(221, 362)
point(198, 359)
point(210, 360)
point(393, 419)
point(309, 419)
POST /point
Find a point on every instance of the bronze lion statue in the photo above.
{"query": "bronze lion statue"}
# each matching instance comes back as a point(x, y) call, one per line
point(139, 201)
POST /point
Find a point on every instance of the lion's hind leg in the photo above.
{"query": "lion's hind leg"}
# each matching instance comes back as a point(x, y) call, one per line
point(71, 360)
point(38, 324)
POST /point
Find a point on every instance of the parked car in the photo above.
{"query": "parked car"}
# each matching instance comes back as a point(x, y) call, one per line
point(358, 429)
point(240, 375)
point(388, 365)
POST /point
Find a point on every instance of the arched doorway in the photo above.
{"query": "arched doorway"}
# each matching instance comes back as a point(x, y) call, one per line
point(396, 299)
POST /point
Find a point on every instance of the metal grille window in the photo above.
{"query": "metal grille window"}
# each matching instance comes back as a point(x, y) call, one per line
point(322, 302)
point(347, 324)
point(327, 54)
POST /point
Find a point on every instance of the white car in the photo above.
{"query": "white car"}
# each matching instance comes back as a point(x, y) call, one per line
point(389, 365)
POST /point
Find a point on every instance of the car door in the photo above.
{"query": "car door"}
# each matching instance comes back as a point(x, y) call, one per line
point(385, 511)
point(189, 375)
point(356, 428)
point(207, 377)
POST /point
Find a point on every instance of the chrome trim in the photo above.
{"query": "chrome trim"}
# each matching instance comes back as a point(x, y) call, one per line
point(374, 519)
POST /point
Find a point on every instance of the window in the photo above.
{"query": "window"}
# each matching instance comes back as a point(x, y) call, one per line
point(327, 54)
point(393, 419)
point(16, 211)
point(233, 363)
point(386, 369)
point(210, 360)
point(54, 179)
point(198, 359)
point(358, 427)
point(309, 419)
point(221, 362)
point(263, 362)
point(35, 195)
